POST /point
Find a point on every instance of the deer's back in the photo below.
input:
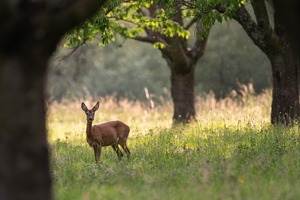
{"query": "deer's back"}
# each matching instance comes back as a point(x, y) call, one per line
point(107, 133)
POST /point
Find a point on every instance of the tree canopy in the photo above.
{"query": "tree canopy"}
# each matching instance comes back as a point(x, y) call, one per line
point(129, 20)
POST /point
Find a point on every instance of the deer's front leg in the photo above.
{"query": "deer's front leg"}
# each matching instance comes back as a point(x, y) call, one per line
point(97, 152)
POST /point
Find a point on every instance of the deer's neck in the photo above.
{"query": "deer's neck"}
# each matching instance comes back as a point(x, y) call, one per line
point(89, 129)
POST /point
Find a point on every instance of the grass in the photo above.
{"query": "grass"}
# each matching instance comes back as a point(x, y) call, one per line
point(231, 152)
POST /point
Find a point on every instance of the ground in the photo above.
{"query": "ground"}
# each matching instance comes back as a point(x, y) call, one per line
point(231, 152)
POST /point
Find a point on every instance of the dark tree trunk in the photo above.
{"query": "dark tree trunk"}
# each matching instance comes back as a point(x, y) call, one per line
point(181, 60)
point(276, 44)
point(30, 31)
point(285, 72)
point(285, 104)
point(182, 91)
point(289, 11)
point(24, 164)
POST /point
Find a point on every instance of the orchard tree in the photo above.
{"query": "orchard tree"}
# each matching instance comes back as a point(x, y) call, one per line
point(166, 26)
point(273, 40)
point(30, 31)
point(290, 15)
point(180, 57)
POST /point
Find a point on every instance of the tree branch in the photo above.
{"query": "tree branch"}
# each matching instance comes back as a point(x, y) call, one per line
point(261, 14)
point(153, 11)
point(188, 26)
point(189, 4)
point(266, 40)
point(220, 8)
point(74, 13)
point(178, 14)
point(146, 39)
point(261, 32)
point(199, 46)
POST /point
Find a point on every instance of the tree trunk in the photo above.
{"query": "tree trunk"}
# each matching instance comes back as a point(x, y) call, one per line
point(30, 31)
point(183, 95)
point(289, 11)
point(285, 104)
point(276, 44)
point(24, 165)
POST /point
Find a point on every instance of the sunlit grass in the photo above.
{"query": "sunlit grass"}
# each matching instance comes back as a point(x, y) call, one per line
point(231, 152)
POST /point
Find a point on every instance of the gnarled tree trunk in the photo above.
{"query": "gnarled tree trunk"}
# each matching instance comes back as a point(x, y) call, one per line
point(30, 31)
point(182, 91)
point(181, 60)
point(285, 101)
point(24, 164)
point(276, 44)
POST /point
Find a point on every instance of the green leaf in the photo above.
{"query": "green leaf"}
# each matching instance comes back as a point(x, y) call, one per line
point(158, 45)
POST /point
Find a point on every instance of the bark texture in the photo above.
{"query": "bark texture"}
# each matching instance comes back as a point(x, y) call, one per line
point(30, 31)
point(181, 60)
point(182, 90)
point(290, 16)
point(275, 42)
point(24, 164)
point(285, 99)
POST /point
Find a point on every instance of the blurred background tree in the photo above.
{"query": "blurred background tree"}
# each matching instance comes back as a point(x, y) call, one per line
point(268, 28)
point(165, 26)
point(230, 59)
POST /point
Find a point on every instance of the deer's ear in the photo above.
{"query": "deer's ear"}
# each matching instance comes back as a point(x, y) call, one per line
point(83, 107)
point(96, 106)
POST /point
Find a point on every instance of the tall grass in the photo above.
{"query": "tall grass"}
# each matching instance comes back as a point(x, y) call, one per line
point(231, 152)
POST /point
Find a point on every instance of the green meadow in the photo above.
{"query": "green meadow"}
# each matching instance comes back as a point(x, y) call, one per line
point(230, 152)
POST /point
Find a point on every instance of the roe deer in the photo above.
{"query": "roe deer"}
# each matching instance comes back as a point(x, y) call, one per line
point(112, 134)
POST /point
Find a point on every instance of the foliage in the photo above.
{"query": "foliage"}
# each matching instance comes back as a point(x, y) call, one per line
point(209, 11)
point(125, 72)
point(228, 62)
point(226, 154)
point(93, 26)
point(125, 19)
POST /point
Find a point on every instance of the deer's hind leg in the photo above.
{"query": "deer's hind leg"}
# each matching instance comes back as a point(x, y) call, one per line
point(125, 148)
point(97, 152)
point(117, 150)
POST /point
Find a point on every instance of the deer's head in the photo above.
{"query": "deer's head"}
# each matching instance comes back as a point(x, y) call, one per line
point(89, 113)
